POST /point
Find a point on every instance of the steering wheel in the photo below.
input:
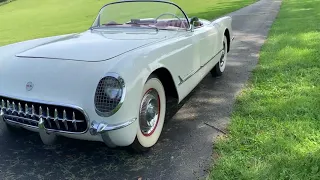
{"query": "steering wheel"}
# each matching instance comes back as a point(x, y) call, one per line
point(168, 14)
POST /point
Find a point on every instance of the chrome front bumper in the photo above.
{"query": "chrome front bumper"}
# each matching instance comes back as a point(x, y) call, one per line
point(48, 136)
point(31, 115)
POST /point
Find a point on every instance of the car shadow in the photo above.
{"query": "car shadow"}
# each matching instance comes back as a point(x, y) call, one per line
point(22, 151)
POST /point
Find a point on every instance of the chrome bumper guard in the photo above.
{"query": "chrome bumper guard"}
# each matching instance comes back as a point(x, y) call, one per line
point(101, 128)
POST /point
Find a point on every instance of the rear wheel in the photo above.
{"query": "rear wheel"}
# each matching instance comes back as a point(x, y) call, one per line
point(221, 65)
point(151, 115)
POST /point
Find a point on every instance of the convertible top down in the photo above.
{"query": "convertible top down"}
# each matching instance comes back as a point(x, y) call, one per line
point(112, 82)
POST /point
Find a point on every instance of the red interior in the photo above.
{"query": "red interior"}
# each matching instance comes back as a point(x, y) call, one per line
point(161, 24)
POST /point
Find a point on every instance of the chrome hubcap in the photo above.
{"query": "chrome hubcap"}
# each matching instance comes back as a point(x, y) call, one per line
point(222, 61)
point(149, 112)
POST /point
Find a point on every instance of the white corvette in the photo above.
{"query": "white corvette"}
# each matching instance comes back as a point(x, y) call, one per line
point(111, 82)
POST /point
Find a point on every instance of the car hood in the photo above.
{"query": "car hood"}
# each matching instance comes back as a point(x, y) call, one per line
point(92, 45)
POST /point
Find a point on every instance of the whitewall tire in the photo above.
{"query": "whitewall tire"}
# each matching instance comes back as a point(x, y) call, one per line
point(151, 115)
point(219, 68)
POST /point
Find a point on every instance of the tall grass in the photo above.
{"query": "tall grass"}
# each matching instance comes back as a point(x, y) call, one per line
point(275, 129)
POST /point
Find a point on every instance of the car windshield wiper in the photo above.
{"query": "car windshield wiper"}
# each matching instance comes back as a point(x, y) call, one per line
point(112, 24)
point(103, 25)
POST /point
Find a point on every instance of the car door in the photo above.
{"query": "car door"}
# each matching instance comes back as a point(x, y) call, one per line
point(208, 43)
point(184, 55)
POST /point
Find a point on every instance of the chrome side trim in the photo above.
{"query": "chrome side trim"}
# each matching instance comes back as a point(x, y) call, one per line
point(101, 128)
point(53, 104)
point(189, 76)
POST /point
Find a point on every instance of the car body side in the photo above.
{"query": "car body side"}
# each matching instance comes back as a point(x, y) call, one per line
point(185, 58)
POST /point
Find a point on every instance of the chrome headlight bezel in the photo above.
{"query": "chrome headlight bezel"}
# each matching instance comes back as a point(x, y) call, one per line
point(121, 84)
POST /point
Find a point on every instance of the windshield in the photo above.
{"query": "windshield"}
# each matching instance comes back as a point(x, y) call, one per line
point(142, 14)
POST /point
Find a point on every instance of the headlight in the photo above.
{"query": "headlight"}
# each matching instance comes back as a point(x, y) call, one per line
point(109, 95)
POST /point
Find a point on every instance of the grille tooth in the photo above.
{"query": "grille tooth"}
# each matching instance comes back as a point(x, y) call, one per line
point(2, 107)
point(64, 120)
point(8, 105)
point(26, 109)
point(30, 113)
point(74, 120)
point(56, 118)
point(13, 107)
point(19, 108)
point(48, 117)
point(41, 121)
point(40, 112)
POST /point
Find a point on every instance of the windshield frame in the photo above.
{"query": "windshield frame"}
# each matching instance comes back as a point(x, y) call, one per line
point(130, 1)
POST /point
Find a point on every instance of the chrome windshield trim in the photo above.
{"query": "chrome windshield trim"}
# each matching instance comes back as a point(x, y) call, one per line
point(160, 1)
point(54, 104)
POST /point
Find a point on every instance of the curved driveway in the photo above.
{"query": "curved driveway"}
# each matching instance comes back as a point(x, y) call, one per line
point(185, 148)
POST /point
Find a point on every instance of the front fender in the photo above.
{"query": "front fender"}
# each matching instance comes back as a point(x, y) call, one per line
point(224, 23)
point(135, 68)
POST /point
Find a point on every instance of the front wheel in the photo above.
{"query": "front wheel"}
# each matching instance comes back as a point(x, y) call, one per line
point(151, 115)
point(219, 68)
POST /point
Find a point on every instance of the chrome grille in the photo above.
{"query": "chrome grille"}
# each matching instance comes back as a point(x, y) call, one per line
point(57, 118)
point(104, 104)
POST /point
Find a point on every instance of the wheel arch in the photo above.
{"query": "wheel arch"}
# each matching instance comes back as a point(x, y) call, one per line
point(227, 34)
point(167, 81)
point(225, 28)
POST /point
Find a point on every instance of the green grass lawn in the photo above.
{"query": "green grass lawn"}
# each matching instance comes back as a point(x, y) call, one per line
point(27, 19)
point(275, 128)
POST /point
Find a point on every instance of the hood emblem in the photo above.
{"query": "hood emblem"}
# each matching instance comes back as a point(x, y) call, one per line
point(29, 86)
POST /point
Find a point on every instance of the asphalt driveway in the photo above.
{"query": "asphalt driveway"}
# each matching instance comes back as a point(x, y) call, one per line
point(186, 145)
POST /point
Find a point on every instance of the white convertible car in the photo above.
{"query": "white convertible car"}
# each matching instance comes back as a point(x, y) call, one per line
point(111, 82)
